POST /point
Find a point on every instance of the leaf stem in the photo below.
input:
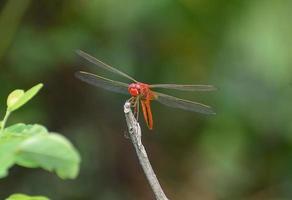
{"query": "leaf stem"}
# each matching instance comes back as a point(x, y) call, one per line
point(5, 120)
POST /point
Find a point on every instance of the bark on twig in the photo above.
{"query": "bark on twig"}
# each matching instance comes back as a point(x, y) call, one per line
point(135, 136)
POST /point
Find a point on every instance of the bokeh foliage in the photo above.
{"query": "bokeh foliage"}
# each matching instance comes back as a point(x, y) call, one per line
point(242, 47)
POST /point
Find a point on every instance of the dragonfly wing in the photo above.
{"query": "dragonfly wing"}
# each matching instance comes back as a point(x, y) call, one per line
point(185, 87)
point(175, 102)
point(103, 65)
point(102, 82)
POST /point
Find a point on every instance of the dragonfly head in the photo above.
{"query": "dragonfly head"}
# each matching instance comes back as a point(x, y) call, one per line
point(134, 89)
point(138, 89)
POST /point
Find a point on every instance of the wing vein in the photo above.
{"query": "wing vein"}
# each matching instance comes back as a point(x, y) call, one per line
point(102, 82)
point(175, 102)
point(103, 65)
point(185, 87)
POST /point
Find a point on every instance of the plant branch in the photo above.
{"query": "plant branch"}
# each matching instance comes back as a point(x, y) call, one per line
point(135, 136)
point(4, 120)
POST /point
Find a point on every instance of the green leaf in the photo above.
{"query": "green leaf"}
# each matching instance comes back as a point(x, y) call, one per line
point(10, 140)
point(16, 99)
point(26, 197)
point(14, 96)
point(22, 130)
point(8, 146)
point(52, 152)
point(33, 146)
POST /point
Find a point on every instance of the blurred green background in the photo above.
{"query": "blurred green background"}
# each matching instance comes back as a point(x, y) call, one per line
point(242, 47)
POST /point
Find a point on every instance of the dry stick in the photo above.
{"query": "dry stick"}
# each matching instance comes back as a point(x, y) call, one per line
point(135, 135)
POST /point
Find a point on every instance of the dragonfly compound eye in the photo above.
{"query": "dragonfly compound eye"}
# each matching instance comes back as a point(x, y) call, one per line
point(134, 91)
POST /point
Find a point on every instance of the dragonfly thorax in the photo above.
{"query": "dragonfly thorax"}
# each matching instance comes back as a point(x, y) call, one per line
point(136, 89)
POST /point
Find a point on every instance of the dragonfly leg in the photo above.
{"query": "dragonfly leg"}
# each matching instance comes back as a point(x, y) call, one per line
point(136, 108)
point(131, 100)
point(134, 101)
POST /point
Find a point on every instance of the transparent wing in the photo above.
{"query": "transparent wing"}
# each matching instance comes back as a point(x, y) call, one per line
point(103, 65)
point(102, 82)
point(175, 102)
point(185, 87)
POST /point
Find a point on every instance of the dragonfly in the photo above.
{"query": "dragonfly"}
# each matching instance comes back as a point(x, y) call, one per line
point(142, 93)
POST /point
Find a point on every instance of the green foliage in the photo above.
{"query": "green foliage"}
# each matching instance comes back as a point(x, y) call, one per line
point(32, 145)
point(18, 98)
point(25, 197)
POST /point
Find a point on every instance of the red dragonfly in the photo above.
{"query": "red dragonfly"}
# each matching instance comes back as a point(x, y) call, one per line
point(142, 92)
